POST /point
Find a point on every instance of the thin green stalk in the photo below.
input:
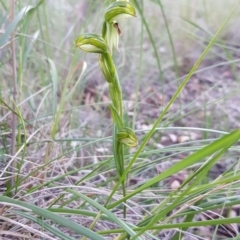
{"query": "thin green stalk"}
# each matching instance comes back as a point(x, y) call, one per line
point(93, 223)
point(170, 39)
point(61, 104)
point(46, 23)
point(151, 40)
point(139, 71)
point(212, 222)
point(14, 117)
point(205, 11)
point(20, 164)
point(172, 48)
point(42, 75)
point(3, 5)
point(120, 159)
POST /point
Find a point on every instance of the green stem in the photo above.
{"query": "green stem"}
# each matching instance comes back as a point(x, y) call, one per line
point(119, 91)
point(119, 162)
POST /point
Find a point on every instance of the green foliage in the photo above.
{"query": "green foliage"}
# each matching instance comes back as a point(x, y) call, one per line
point(76, 177)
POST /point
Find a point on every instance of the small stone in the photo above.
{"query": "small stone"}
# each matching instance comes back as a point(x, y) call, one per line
point(173, 138)
point(175, 185)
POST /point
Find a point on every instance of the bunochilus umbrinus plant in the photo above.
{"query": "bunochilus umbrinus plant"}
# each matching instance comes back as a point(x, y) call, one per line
point(103, 45)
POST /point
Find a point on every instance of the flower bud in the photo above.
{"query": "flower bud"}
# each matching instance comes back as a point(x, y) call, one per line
point(127, 137)
point(91, 42)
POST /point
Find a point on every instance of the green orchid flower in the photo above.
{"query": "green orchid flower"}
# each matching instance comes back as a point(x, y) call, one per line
point(127, 137)
point(119, 10)
point(111, 30)
point(91, 42)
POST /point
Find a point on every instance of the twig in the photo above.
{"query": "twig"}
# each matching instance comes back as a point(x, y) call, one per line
point(3, 46)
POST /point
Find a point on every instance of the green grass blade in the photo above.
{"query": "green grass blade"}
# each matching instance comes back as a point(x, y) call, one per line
point(183, 164)
point(106, 211)
point(151, 40)
point(183, 198)
point(213, 222)
point(3, 5)
point(8, 107)
point(170, 38)
point(54, 77)
point(13, 25)
point(78, 212)
point(45, 226)
point(30, 47)
point(53, 217)
point(203, 170)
